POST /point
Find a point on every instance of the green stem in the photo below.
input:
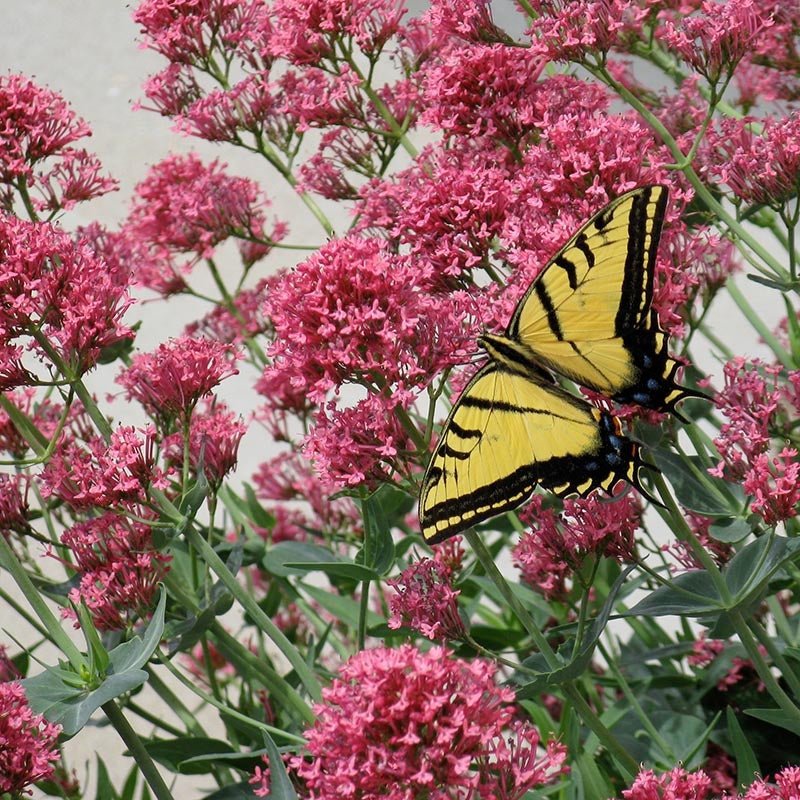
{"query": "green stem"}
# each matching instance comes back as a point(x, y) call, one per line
point(56, 634)
point(762, 668)
point(136, 746)
point(217, 565)
point(635, 705)
point(226, 709)
point(757, 322)
point(626, 763)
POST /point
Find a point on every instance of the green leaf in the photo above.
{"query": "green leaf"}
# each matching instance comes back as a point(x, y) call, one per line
point(280, 787)
point(67, 699)
point(747, 767)
point(777, 717)
point(134, 654)
point(577, 666)
point(104, 788)
point(377, 512)
point(188, 755)
point(339, 569)
point(750, 570)
point(730, 530)
point(278, 557)
point(691, 594)
point(50, 694)
point(344, 609)
point(793, 329)
point(695, 489)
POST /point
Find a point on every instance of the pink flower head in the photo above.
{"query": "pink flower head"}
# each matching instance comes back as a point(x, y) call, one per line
point(355, 313)
point(170, 381)
point(426, 601)
point(566, 30)
point(540, 554)
point(188, 31)
point(557, 544)
point(401, 723)
point(55, 288)
point(750, 400)
point(469, 20)
point(484, 90)
point(120, 571)
point(774, 484)
point(760, 168)
point(361, 444)
point(36, 128)
point(187, 207)
point(678, 784)
point(104, 473)
point(309, 31)
point(714, 41)
point(13, 504)
point(214, 436)
point(28, 743)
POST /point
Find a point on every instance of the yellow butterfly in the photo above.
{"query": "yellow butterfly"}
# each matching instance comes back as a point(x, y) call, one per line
point(588, 317)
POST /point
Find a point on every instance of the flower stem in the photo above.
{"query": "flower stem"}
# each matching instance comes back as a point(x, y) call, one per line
point(138, 751)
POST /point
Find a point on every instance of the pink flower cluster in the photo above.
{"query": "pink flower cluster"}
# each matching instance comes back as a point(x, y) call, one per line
point(28, 743)
point(680, 784)
point(120, 569)
point(183, 210)
point(170, 381)
point(37, 129)
point(355, 314)
point(104, 474)
point(555, 547)
point(401, 723)
point(755, 401)
point(59, 300)
point(425, 599)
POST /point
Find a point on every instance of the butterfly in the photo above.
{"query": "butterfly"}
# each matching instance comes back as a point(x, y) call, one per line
point(588, 318)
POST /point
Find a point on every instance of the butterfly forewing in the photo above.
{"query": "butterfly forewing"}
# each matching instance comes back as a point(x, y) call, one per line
point(588, 315)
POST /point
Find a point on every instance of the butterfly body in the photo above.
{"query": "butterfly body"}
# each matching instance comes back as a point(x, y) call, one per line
point(588, 318)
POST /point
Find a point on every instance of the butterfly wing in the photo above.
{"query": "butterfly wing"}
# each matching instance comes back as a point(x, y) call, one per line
point(588, 314)
point(508, 433)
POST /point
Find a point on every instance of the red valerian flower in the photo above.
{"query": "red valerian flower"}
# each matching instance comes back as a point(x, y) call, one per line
point(119, 569)
point(186, 208)
point(308, 31)
point(28, 743)
point(356, 314)
point(759, 159)
point(214, 436)
point(715, 40)
point(678, 784)
point(774, 484)
point(171, 380)
point(100, 473)
point(400, 724)
point(37, 127)
point(55, 288)
point(426, 601)
point(557, 544)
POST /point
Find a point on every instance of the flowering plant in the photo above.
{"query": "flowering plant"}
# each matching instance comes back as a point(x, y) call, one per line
point(598, 647)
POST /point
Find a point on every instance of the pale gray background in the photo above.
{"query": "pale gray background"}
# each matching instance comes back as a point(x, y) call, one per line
point(87, 51)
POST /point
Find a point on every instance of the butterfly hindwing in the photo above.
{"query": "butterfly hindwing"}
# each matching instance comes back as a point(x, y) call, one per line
point(588, 314)
point(509, 433)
